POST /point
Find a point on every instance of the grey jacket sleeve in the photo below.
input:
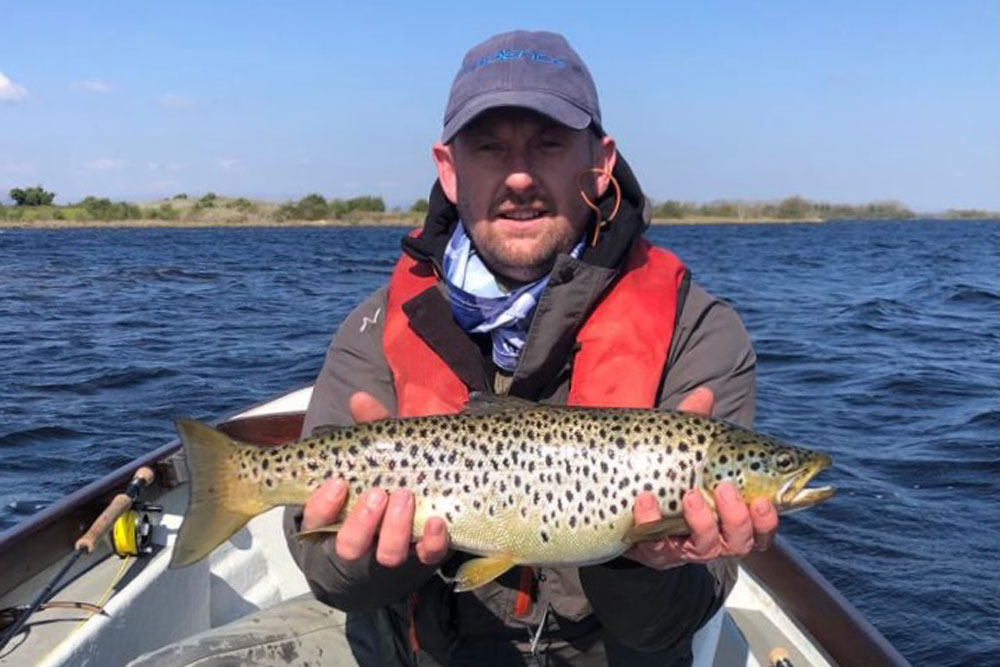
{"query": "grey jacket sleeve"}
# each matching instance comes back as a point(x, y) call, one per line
point(354, 362)
point(652, 610)
point(711, 348)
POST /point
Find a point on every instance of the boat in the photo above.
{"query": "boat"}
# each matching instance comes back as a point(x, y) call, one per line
point(780, 605)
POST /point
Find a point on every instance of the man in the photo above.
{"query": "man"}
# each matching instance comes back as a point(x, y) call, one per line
point(514, 285)
point(510, 287)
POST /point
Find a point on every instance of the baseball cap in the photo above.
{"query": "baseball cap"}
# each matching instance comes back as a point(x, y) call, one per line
point(533, 70)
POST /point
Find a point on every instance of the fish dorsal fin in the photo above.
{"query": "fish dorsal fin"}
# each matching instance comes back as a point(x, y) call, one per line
point(481, 403)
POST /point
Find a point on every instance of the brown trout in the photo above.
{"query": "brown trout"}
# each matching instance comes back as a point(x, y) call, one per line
point(516, 482)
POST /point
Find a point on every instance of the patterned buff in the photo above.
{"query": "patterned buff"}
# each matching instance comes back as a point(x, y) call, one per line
point(480, 305)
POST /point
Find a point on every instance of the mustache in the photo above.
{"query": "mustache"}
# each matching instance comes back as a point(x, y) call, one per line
point(531, 199)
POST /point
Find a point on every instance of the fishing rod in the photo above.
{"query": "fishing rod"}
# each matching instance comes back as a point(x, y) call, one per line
point(120, 504)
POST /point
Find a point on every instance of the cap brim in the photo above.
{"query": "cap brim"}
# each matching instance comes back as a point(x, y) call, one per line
point(546, 104)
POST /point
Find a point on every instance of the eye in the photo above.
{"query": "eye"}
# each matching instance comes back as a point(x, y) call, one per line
point(784, 461)
point(488, 147)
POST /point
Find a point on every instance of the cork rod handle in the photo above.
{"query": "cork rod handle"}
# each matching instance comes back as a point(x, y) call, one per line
point(119, 505)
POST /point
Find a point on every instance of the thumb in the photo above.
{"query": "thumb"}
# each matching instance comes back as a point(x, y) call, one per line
point(366, 408)
point(701, 401)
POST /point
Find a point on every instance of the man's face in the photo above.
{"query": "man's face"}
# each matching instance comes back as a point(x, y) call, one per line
point(513, 174)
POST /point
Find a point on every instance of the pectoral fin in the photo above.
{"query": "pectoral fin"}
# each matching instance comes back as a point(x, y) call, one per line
point(479, 571)
point(657, 530)
point(316, 534)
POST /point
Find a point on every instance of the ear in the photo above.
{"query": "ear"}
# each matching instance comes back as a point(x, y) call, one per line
point(605, 156)
point(444, 161)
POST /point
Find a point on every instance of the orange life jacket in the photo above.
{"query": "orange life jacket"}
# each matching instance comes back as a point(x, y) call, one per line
point(622, 347)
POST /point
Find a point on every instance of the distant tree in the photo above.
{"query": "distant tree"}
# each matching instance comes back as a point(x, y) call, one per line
point(244, 205)
point(367, 203)
point(888, 210)
point(312, 207)
point(420, 206)
point(207, 201)
point(339, 208)
point(181, 196)
point(669, 209)
point(104, 209)
point(796, 207)
point(34, 196)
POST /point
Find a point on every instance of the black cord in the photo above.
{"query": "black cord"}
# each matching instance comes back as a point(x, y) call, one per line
point(42, 598)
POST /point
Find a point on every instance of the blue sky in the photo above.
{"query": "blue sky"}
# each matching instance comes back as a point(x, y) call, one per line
point(837, 101)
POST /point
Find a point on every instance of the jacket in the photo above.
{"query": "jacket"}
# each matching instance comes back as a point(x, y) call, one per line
point(637, 608)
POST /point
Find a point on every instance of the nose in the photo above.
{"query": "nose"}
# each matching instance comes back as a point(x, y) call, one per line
point(519, 172)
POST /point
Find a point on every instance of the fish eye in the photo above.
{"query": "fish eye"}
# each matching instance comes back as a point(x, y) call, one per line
point(784, 461)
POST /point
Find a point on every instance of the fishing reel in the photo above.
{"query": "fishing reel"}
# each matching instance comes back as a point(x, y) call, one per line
point(132, 531)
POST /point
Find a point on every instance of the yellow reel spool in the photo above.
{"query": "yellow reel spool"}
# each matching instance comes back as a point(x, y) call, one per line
point(124, 538)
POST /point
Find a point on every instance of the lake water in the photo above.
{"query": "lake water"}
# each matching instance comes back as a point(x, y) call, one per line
point(877, 343)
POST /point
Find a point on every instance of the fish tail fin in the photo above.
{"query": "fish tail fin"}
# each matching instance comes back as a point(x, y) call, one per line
point(218, 504)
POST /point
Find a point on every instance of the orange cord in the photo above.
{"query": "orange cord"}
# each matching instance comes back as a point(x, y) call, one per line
point(601, 224)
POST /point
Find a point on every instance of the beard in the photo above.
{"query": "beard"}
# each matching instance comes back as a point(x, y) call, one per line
point(519, 255)
point(518, 258)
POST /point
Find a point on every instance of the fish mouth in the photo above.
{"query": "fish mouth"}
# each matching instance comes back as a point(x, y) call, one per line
point(794, 495)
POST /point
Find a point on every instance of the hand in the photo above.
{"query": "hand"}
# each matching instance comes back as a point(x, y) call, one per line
point(739, 527)
point(393, 512)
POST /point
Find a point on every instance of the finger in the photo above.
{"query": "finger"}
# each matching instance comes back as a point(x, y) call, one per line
point(734, 520)
point(325, 503)
point(366, 408)
point(764, 518)
point(700, 400)
point(646, 508)
point(703, 543)
point(355, 537)
point(433, 546)
point(396, 532)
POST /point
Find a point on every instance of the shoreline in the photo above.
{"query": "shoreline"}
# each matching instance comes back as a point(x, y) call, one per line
point(400, 222)
point(203, 224)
